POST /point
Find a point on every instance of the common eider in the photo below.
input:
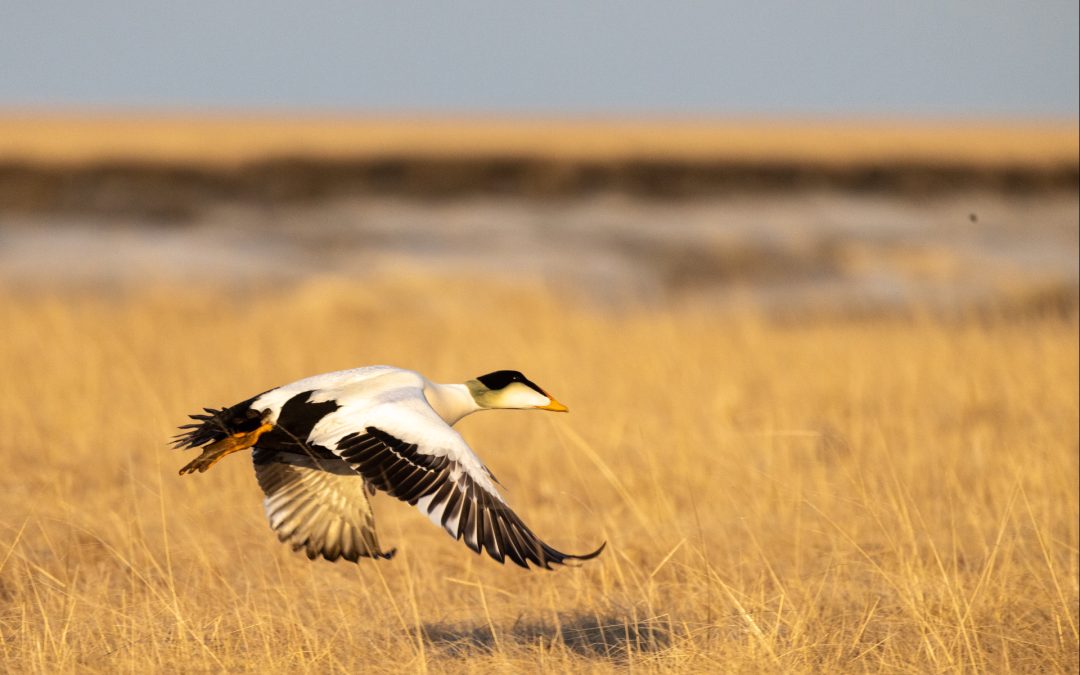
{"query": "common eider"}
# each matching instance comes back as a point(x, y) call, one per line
point(320, 445)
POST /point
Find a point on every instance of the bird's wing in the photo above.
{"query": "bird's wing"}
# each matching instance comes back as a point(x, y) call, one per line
point(317, 504)
point(405, 449)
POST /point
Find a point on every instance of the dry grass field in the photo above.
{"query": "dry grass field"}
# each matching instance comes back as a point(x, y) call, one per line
point(890, 494)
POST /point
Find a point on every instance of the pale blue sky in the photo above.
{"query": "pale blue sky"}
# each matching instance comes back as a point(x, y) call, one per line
point(831, 58)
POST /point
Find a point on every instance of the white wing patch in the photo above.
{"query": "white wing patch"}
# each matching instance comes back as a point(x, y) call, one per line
point(318, 505)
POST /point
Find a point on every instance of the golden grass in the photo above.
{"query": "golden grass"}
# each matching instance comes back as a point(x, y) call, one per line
point(838, 496)
point(228, 140)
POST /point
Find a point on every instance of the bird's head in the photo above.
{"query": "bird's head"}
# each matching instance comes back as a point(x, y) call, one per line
point(511, 389)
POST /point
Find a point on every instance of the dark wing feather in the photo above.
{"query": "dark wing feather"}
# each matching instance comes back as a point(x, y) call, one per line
point(452, 498)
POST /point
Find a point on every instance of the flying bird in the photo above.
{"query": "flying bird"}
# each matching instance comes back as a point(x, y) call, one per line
point(322, 444)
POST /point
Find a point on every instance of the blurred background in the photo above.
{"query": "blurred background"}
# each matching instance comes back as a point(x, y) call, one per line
point(838, 156)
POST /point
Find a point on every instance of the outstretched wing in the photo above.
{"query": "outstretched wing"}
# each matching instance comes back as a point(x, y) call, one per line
point(317, 504)
point(409, 452)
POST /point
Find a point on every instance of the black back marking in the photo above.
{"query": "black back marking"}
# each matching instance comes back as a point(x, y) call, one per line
point(504, 378)
point(294, 424)
point(268, 454)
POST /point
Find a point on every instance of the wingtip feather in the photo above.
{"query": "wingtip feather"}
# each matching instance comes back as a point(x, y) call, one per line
point(590, 556)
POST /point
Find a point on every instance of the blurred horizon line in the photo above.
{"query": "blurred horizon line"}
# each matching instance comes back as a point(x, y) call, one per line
point(239, 137)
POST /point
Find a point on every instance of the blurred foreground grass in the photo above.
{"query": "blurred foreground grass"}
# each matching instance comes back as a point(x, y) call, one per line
point(831, 495)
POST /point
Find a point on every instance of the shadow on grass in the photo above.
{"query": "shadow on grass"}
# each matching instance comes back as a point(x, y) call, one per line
point(594, 636)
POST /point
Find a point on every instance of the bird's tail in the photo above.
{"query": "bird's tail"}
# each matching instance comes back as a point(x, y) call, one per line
point(213, 425)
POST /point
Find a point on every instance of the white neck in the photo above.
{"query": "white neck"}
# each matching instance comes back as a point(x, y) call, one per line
point(451, 401)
